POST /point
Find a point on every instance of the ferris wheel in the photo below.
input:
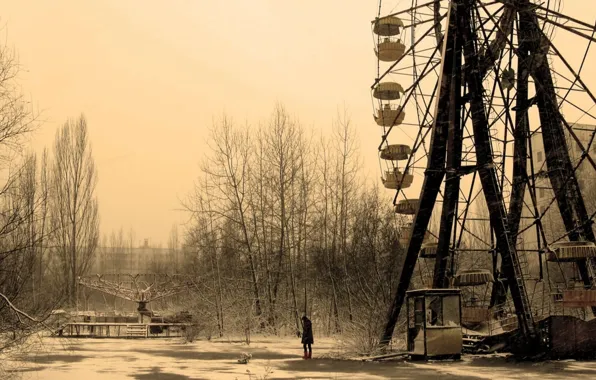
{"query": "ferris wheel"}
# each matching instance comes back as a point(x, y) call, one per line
point(487, 129)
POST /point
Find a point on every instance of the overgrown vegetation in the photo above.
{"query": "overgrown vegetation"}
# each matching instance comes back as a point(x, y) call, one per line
point(284, 224)
point(48, 215)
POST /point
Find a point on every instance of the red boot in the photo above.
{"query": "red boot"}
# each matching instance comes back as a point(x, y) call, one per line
point(310, 355)
point(305, 355)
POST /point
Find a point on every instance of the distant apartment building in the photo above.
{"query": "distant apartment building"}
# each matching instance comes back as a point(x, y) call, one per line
point(545, 202)
point(145, 259)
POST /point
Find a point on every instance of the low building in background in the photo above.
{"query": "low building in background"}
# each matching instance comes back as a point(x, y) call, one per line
point(545, 203)
point(143, 259)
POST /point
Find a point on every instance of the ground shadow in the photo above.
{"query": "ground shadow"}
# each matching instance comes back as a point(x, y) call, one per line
point(536, 368)
point(156, 374)
point(25, 369)
point(388, 370)
point(51, 358)
point(257, 354)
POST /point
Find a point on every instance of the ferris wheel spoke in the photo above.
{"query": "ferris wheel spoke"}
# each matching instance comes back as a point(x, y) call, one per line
point(425, 72)
point(432, 2)
point(572, 83)
point(583, 111)
point(498, 83)
point(464, 216)
point(540, 215)
point(502, 28)
point(576, 76)
point(575, 31)
point(581, 66)
point(410, 92)
point(420, 22)
point(419, 141)
point(417, 89)
point(427, 120)
point(560, 15)
point(469, 232)
point(573, 86)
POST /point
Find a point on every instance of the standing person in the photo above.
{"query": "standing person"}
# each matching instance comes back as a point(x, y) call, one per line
point(307, 337)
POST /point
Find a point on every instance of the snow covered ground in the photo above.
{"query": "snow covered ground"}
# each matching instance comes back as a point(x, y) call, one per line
point(272, 358)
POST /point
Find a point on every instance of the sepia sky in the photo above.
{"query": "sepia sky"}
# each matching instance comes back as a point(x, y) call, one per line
point(150, 75)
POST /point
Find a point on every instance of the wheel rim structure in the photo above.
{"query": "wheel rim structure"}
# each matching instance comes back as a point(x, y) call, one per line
point(478, 107)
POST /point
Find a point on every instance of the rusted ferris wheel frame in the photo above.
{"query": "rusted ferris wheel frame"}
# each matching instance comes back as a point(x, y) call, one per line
point(484, 60)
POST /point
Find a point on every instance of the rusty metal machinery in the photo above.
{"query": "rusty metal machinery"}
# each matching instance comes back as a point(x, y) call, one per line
point(139, 288)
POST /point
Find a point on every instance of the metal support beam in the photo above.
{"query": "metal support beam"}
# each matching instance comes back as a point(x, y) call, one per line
point(454, 154)
point(520, 163)
point(487, 174)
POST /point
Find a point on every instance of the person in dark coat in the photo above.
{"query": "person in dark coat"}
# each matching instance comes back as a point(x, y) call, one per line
point(307, 337)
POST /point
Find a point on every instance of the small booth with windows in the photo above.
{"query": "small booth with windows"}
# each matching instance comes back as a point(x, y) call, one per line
point(434, 324)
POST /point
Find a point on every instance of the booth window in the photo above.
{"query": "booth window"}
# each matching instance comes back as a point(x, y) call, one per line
point(451, 316)
point(419, 311)
point(442, 311)
point(434, 311)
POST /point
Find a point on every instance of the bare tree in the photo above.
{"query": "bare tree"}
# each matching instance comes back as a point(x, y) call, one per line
point(347, 170)
point(373, 254)
point(261, 207)
point(74, 210)
point(284, 143)
point(328, 232)
point(204, 238)
point(229, 173)
point(23, 198)
point(22, 231)
point(34, 188)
